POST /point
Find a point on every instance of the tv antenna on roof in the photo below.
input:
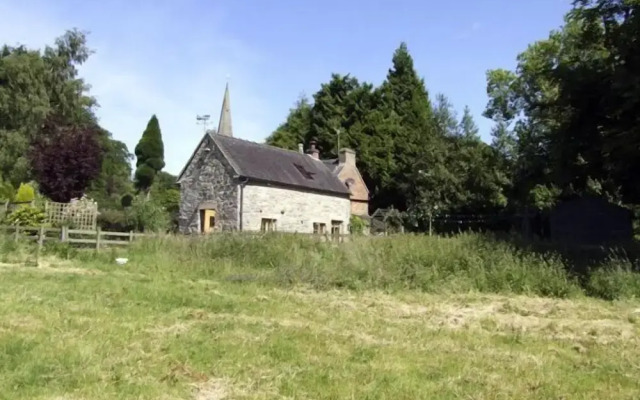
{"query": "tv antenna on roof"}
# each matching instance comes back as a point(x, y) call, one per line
point(203, 119)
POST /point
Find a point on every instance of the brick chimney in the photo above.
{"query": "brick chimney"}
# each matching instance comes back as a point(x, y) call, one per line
point(300, 148)
point(347, 156)
point(313, 150)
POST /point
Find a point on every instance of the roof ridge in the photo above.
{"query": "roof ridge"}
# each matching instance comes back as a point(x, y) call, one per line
point(264, 145)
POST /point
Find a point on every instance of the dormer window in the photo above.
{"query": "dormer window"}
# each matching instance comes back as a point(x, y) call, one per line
point(303, 171)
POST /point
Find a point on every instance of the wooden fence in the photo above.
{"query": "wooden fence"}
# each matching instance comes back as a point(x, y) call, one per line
point(96, 238)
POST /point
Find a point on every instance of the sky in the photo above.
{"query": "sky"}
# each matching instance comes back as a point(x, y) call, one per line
point(173, 58)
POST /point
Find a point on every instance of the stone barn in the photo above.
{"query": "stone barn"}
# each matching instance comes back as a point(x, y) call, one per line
point(590, 220)
point(234, 184)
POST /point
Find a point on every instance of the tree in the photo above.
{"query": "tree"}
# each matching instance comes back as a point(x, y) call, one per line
point(65, 158)
point(34, 84)
point(445, 116)
point(295, 129)
point(419, 144)
point(573, 99)
point(468, 128)
point(150, 155)
point(114, 180)
point(7, 192)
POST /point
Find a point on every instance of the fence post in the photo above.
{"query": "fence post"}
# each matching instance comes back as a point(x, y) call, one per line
point(64, 233)
point(130, 236)
point(40, 242)
point(17, 233)
point(98, 238)
point(40, 238)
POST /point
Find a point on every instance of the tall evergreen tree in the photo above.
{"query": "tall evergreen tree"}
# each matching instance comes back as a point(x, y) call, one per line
point(468, 128)
point(296, 129)
point(330, 115)
point(445, 116)
point(150, 155)
point(417, 142)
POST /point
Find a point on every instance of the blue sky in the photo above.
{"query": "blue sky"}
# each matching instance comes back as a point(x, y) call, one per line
point(172, 58)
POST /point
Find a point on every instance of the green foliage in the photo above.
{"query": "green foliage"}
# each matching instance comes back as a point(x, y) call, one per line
point(147, 215)
point(567, 117)
point(115, 220)
point(126, 200)
point(33, 84)
point(150, 155)
point(114, 179)
point(445, 116)
point(295, 129)
point(7, 192)
point(614, 281)
point(25, 194)
point(544, 197)
point(412, 156)
point(468, 128)
point(358, 225)
point(26, 216)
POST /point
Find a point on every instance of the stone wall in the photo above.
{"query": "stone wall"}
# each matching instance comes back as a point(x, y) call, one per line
point(208, 178)
point(293, 210)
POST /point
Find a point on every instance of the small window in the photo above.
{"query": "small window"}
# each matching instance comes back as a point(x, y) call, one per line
point(336, 227)
point(268, 225)
point(303, 171)
point(319, 228)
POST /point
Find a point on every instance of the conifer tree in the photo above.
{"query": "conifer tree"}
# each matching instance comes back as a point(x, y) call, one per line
point(150, 155)
point(468, 128)
point(295, 129)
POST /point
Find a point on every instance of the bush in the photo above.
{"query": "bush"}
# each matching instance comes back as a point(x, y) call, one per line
point(7, 193)
point(26, 216)
point(358, 225)
point(126, 201)
point(615, 280)
point(148, 216)
point(115, 220)
point(25, 194)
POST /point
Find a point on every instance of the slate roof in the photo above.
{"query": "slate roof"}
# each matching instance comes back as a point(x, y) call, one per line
point(271, 164)
point(333, 164)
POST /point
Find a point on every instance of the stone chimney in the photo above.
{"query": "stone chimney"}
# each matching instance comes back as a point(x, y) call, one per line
point(347, 156)
point(300, 148)
point(313, 150)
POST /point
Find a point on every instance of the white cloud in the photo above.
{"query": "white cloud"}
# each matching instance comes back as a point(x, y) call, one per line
point(148, 62)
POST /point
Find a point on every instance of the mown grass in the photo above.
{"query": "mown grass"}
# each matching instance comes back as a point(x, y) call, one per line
point(281, 317)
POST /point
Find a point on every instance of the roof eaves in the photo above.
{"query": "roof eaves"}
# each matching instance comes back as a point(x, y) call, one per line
point(300, 187)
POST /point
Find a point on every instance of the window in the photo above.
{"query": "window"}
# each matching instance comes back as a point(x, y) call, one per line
point(303, 171)
point(268, 225)
point(336, 227)
point(319, 228)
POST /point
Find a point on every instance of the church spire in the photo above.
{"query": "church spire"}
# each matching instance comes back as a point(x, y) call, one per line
point(224, 126)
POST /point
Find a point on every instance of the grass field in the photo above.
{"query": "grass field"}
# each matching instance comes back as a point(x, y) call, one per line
point(228, 319)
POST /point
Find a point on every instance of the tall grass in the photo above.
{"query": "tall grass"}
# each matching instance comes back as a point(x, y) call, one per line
point(463, 263)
